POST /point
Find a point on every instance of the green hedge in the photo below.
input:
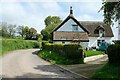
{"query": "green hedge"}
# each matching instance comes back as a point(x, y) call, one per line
point(113, 52)
point(69, 51)
point(14, 44)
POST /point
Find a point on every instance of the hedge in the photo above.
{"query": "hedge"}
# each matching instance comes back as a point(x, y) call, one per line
point(69, 51)
point(113, 52)
point(14, 44)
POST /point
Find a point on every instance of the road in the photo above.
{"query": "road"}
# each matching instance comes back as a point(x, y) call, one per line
point(26, 64)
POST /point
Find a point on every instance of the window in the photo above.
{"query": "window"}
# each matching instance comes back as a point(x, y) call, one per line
point(96, 31)
point(99, 42)
point(101, 33)
point(75, 27)
point(63, 42)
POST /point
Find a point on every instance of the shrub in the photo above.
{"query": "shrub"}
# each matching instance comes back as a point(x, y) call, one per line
point(113, 52)
point(69, 51)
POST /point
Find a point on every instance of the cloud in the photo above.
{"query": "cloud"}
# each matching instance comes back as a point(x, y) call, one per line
point(50, 1)
point(27, 13)
point(33, 12)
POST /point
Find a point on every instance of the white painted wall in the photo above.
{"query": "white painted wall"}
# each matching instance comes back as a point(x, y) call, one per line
point(68, 26)
point(116, 30)
point(57, 42)
point(84, 44)
point(93, 41)
point(119, 29)
point(60, 42)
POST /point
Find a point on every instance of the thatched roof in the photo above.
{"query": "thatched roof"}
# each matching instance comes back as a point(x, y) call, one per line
point(91, 26)
point(70, 36)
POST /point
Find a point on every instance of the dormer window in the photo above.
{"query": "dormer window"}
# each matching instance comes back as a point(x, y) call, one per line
point(75, 27)
point(101, 33)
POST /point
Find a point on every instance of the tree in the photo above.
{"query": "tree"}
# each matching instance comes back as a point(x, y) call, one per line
point(7, 30)
point(45, 34)
point(21, 31)
point(11, 30)
point(3, 27)
point(51, 22)
point(39, 36)
point(26, 30)
point(111, 11)
point(32, 33)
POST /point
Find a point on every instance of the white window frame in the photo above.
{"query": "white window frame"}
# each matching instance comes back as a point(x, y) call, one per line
point(74, 27)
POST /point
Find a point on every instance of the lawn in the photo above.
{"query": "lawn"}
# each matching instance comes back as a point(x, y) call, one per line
point(92, 53)
point(108, 72)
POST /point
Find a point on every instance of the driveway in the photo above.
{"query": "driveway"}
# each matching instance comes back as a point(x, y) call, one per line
point(26, 64)
point(92, 64)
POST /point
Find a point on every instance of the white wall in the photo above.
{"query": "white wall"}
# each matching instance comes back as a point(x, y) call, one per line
point(84, 44)
point(60, 42)
point(68, 26)
point(93, 41)
point(119, 29)
point(116, 30)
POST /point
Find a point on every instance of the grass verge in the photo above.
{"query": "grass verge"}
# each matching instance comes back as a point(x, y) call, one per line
point(14, 44)
point(92, 53)
point(108, 72)
point(55, 58)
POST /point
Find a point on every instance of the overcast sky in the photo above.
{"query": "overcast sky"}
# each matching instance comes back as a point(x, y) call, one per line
point(33, 12)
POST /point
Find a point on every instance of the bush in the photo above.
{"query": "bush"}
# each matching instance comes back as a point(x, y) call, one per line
point(69, 51)
point(14, 44)
point(113, 52)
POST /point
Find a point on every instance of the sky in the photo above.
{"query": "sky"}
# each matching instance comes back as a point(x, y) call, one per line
point(32, 13)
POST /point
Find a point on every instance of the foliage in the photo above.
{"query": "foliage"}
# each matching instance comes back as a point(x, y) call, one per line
point(51, 22)
point(111, 10)
point(113, 52)
point(55, 58)
point(45, 34)
point(14, 44)
point(13, 31)
point(92, 53)
point(69, 51)
point(108, 72)
point(7, 30)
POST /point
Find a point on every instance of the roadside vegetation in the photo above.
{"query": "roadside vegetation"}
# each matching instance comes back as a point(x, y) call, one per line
point(62, 53)
point(14, 44)
point(13, 37)
point(108, 72)
point(111, 71)
point(54, 57)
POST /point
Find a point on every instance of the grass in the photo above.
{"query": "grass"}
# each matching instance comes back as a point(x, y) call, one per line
point(108, 72)
point(14, 44)
point(55, 58)
point(0, 46)
point(92, 53)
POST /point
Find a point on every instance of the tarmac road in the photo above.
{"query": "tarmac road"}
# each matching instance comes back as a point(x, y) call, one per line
point(26, 64)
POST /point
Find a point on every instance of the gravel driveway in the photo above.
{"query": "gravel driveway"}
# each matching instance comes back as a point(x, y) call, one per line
point(26, 64)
